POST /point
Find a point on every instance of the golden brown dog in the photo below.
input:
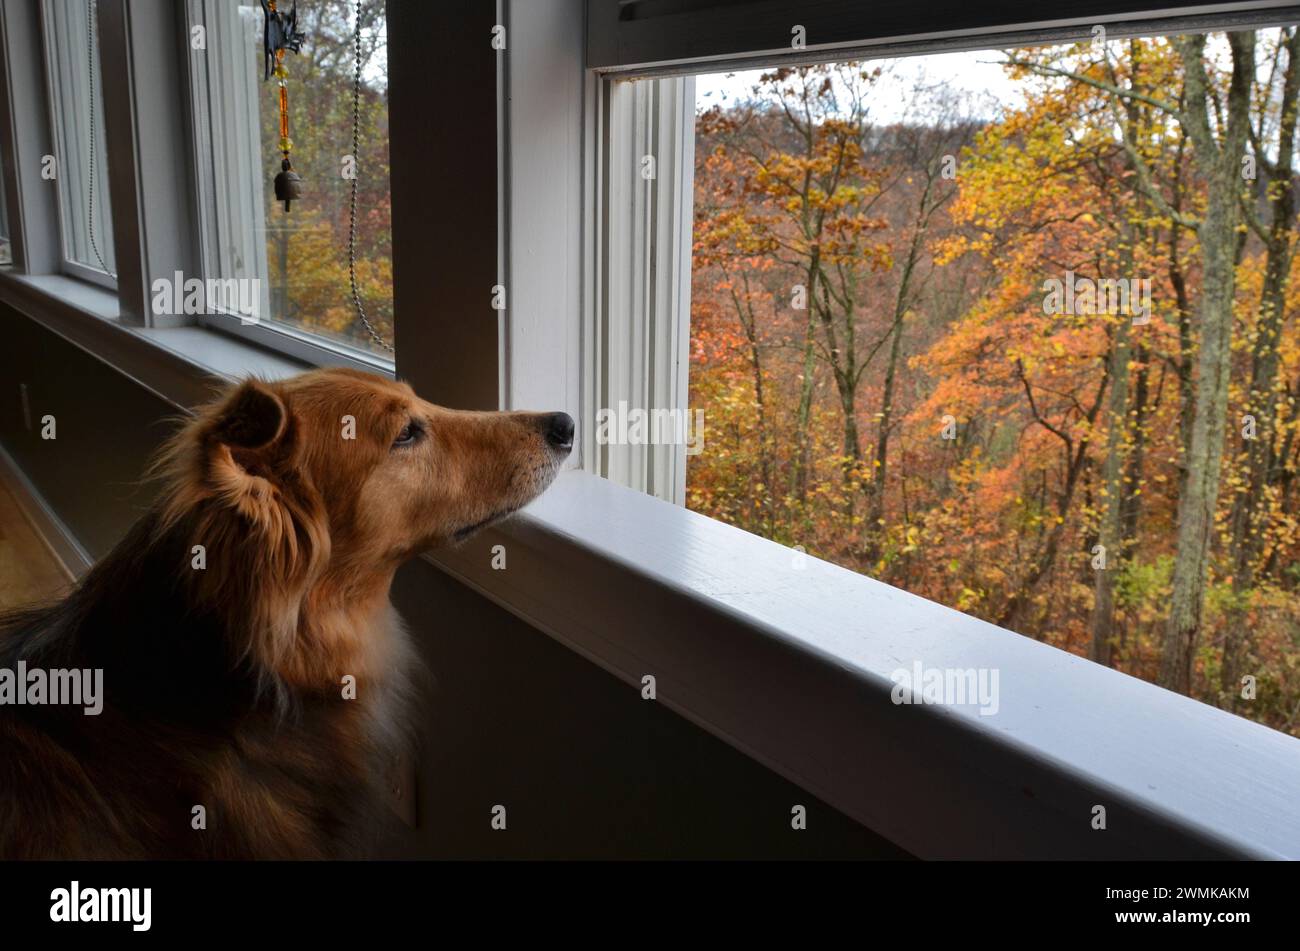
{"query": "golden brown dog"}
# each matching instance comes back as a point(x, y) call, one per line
point(252, 664)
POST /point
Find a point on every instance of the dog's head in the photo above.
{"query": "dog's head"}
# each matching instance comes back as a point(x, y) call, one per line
point(394, 474)
point(319, 486)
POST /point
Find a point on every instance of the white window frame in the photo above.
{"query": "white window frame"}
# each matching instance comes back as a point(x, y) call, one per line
point(585, 330)
point(640, 319)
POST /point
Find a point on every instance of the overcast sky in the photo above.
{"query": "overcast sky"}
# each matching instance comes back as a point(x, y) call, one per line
point(976, 73)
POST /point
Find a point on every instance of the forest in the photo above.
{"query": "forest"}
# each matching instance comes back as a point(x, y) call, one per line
point(1041, 366)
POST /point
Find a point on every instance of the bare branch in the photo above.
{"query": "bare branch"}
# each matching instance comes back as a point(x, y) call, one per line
point(1114, 90)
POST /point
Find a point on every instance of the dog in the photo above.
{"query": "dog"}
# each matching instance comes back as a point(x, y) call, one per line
point(257, 683)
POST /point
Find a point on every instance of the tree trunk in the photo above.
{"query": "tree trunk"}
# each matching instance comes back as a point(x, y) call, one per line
point(843, 359)
point(876, 504)
point(1177, 278)
point(1258, 454)
point(1110, 534)
point(749, 326)
point(1220, 164)
point(803, 414)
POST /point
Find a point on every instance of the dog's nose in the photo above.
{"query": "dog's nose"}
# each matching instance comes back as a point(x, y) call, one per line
point(558, 430)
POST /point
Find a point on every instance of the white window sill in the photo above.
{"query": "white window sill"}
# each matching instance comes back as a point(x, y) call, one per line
point(792, 665)
point(179, 364)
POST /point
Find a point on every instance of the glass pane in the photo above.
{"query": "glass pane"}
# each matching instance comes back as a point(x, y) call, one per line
point(81, 169)
point(300, 256)
point(6, 253)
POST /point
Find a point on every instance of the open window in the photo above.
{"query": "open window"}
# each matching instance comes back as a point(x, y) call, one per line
point(945, 319)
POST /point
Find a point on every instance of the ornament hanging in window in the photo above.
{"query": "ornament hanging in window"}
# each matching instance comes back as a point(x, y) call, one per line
point(282, 33)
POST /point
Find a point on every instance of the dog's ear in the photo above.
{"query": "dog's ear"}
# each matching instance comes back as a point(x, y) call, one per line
point(253, 417)
point(243, 442)
point(235, 490)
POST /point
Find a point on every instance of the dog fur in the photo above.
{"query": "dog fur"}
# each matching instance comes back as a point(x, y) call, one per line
point(223, 685)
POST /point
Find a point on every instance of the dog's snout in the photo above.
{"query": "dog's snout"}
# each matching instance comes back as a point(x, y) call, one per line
point(558, 430)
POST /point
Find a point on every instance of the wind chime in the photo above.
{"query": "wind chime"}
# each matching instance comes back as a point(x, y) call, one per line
point(282, 33)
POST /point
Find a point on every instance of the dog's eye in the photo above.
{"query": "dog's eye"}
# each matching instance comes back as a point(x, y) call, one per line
point(409, 434)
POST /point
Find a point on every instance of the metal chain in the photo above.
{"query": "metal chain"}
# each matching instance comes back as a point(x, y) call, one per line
point(90, 72)
point(352, 204)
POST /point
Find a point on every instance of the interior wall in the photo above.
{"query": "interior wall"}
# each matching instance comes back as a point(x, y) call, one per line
point(584, 766)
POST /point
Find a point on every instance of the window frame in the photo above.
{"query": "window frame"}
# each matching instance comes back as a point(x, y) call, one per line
point(25, 136)
point(680, 38)
point(583, 330)
point(639, 321)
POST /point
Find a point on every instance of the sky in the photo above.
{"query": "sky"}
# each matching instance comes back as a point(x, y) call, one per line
point(975, 72)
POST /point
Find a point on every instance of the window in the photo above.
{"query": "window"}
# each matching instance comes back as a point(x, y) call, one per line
point(951, 322)
point(79, 165)
point(6, 250)
point(297, 260)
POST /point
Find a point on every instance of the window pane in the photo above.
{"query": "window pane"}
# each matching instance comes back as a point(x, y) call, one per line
point(82, 166)
point(299, 257)
point(6, 252)
point(953, 320)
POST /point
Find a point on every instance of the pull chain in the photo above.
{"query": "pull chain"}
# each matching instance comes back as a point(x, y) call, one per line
point(90, 73)
point(352, 203)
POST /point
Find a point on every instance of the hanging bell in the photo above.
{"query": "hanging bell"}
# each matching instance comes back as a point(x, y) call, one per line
point(288, 185)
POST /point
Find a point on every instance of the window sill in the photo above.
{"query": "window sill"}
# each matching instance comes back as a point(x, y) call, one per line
point(179, 364)
point(792, 666)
